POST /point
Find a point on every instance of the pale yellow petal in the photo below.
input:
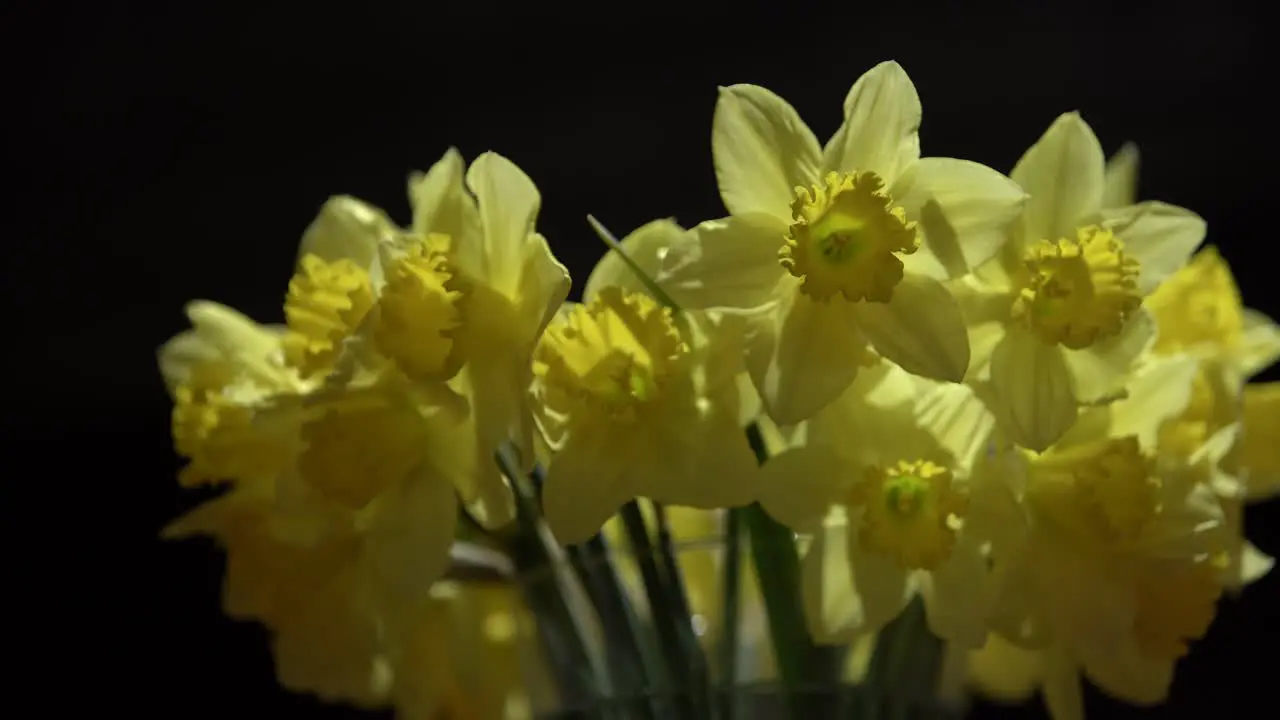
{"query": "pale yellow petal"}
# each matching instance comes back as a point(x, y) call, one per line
point(647, 245)
point(585, 485)
point(803, 354)
point(880, 583)
point(798, 486)
point(508, 202)
point(881, 126)
point(1099, 372)
point(411, 533)
point(1160, 237)
point(833, 611)
point(1063, 695)
point(1121, 177)
point(1063, 173)
point(961, 423)
point(921, 329)
point(346, 228)
point(959, 596)
point(1259, 343)
point(978, 206)
point(703, 461)
point(731, 263)
point(1260, 453)
point(762, 151)
point(1254, 564)
point(1157, 392)
point(1005, 672)
point(441, 204)
point(1127, 674)
point(543, 288)
point(1031, 390)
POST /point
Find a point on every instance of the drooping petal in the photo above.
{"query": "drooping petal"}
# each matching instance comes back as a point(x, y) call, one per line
point(647, 245)
point(978, 205)
point(730, 263)
point(881, 584)
point(762, 151)
point(508, 202)
point(346, 228)
point(803, 354)
point(544, 286)
point(1031, 390)
point(921, 329)
point(585, 485)
point(959, 597)
point(1099, 371)
point(1121, 177)
point(1063, 173)
point(798, 485)
point(1157, 392)
point(1061, 686)
point(833, 610)
point(1160, 237)
point(410, 537)
point(703, 462)
point(441, 204)
point(953, 414)
point(880, 132)
point(1003, 671)
point(1259, 343)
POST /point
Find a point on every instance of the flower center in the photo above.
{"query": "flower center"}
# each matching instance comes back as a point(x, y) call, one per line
point(846, 237)
point(357, 451)
point(1175, 605)
point(326, 301)
point(1199, 304)
point(418, 311)
point(1105, 487)
point(910, 511)
point(609, 357)
point(1080, 291)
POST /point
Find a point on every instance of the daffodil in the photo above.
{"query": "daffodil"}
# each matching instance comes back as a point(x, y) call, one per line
point(634, 402)
point(1056, 319)
point(833, 250)
point(889, 484)
point(1109, 561)
point(513, 287)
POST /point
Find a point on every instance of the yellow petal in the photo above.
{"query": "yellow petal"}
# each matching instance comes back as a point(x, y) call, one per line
point(585, 485)
point(543, 287)
point(441, 204)
point(960, 422)
point(1160, 237)
point(958, 598)
point(880, 583)
point(1030, 391)
point(508, 202)
point(1156, 393)
point(1099, 372)
point(762, 151)
point(647, 245)
point(1125, 673)
point(833, 612)
point(1254, 564)
point(1259, 455)
point(803, 354)
point(1063, 173)
point(1005, 672)
point(880, 132)
point(704, 462)
point(921, 329)
point(1061, 687)
point(799, 485)
point(978, 204)
point(411, 534)
point(1121, 178)
point(730, 263)
point(346, 228)
point(1259, 344)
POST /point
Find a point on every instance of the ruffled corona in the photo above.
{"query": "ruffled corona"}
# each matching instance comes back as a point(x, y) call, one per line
point(910, 511)
point(846, 237)
point(418, 312)
point(1104, 487)
point(610, 357)
point(326, 302)
point(1080, 290)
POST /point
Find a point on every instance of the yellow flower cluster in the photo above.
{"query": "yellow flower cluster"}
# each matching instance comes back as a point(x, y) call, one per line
point(1022, 398)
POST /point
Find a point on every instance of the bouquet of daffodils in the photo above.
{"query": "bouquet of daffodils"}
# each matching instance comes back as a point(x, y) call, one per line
point(932, 426)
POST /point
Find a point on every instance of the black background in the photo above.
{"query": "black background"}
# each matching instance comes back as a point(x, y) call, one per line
point(173, 153)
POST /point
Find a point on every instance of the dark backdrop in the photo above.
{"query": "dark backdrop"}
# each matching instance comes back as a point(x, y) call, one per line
point(170, 154)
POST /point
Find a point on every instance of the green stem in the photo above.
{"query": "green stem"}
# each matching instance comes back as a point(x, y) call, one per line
point(682, 617)
point(731, 586)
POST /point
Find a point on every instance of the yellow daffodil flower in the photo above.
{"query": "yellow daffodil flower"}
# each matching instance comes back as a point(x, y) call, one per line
point(633, 403)
point(832, 249)
point(886, 483)
point(1056, 320)
point(1110, 561)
